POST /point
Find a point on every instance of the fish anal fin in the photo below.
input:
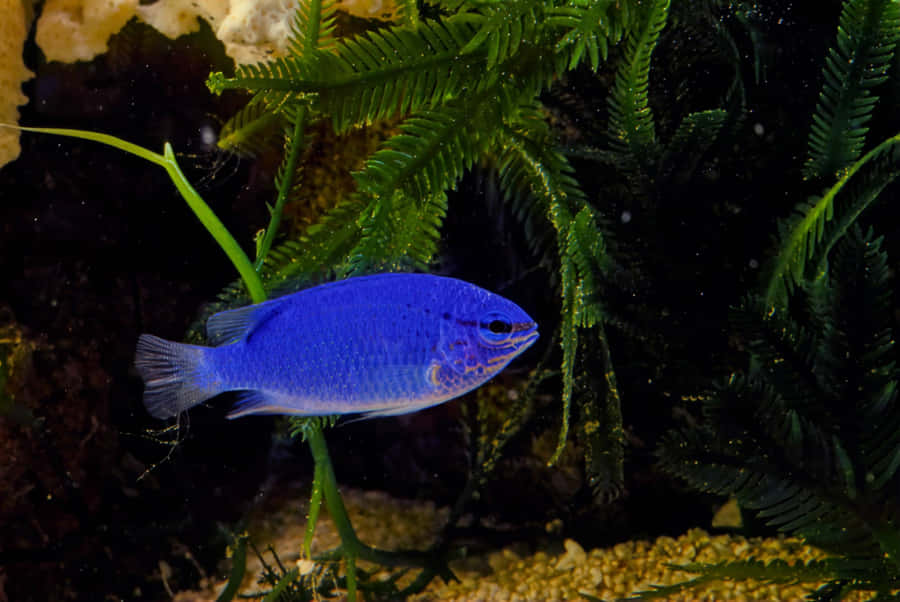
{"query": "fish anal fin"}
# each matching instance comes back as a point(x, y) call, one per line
point(261, 403)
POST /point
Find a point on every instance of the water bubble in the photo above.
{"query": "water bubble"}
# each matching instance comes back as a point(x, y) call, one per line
point(207, 135)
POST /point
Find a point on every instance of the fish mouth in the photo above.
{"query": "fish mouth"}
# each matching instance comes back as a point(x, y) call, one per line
point(525, 334)
point(528, 337)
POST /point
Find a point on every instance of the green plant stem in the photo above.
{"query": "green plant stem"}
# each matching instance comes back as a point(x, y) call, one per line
point(327, 483)
point(284, 189)
point(206, 216)
point(238, 566)
point(351, 548)
point(315, 504)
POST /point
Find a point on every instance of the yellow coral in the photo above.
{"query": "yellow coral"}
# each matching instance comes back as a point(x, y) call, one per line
point(75, 30)
point(174, 18)
point(78, 30)
point(12, 73)
point(252, 30)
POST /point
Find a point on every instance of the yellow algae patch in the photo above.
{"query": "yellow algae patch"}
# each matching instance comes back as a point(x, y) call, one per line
point(78, 30)
point(12, 74)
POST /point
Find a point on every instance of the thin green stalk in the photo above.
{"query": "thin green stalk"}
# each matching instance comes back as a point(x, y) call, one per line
point(238, 566)
point(284, 189)
point(325, 479)
point(206, 216)
point(351, 548)
point(315, 504)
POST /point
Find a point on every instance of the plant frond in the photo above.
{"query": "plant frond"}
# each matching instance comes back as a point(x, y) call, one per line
point(764, 571)
point(313, 27)
point(545, 177)
point(515, 165)
point(861, 308)
point(866, 36)
point(695, 135)
point(588, 27)
point(287, 178)
point(784, 353)
point(398, 233)
point(373, 76)
point(252, 130)
point(433, 149)
point(753, 411)
point(792, 502)
point(631, 126)
point(809, 436)
point(501, 27)
point(397, 71)
point(817, 225)
point(861, 312)
point(601, 431)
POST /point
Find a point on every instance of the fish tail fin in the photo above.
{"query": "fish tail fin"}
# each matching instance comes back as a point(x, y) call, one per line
point(175, 375)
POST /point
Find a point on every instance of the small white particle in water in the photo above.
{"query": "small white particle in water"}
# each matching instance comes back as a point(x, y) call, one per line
point(207, 135)
point(754, 264)
point(758, 129)
point(626, 217)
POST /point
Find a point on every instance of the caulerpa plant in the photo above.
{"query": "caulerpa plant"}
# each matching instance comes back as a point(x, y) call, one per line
point(807, 436)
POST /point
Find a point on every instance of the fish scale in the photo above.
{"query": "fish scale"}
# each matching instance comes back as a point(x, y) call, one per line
point(378, 345)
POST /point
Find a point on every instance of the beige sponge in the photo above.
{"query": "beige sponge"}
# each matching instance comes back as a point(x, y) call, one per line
point(78, 30)
point(12, 74)
point(252, 30)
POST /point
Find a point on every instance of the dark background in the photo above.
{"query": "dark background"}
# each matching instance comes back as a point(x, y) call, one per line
point(97, 247)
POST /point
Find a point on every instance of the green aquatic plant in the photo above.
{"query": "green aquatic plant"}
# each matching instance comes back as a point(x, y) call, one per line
point(641, 163)
point(809, 438)
point(854, 68)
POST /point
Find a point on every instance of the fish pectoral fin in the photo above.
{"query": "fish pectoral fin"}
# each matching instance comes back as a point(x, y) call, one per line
point(262, 404)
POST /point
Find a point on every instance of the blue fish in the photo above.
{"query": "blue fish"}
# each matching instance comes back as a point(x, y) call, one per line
point(376, 345)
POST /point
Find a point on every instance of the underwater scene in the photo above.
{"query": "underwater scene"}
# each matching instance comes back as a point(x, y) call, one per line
point(426, 300)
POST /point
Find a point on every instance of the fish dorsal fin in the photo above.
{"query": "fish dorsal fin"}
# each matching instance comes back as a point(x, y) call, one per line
point(232, 325)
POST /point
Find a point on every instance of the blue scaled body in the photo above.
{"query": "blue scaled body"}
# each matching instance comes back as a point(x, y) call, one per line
point(379, 345)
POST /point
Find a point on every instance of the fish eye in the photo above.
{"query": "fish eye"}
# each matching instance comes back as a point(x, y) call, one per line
point(499, 326)
point(495, 327)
